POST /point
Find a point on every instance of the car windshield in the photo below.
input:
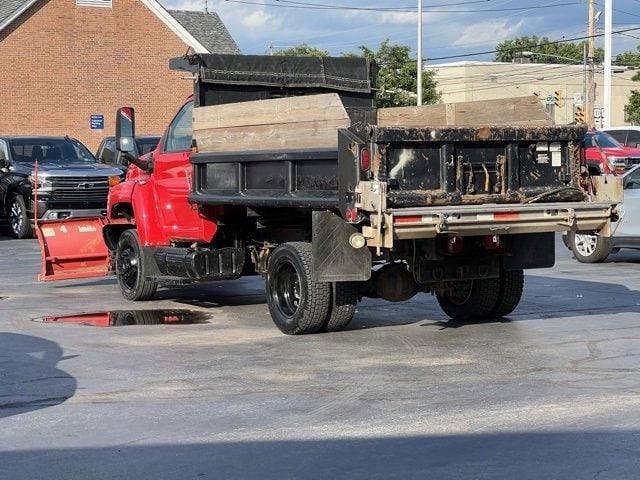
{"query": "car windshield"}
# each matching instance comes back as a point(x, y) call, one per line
point(604, 140)
point(145, 145)
point(50, 150)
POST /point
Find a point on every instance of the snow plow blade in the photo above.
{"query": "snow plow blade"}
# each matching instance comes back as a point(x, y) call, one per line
point(72, 249)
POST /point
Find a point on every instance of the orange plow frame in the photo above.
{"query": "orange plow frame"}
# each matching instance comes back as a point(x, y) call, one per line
point(72, 248)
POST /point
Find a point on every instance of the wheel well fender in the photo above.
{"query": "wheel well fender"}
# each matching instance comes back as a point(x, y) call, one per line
point(111, 235)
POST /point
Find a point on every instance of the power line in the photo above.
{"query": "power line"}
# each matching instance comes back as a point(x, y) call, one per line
point(533, 45)
point(310, 6)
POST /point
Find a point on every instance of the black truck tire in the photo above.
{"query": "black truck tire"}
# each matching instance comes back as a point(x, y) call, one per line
point(511, 286)
point(131, 269)
point(470, 299)
point(344, 299)
point(19, 221)
point(589, 248)
point(298, 304)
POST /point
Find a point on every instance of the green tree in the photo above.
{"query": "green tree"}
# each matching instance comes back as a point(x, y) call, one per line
point(632, 108)
point(397, 76)
point(507, 50)
point(302, 50)
point(629, 57)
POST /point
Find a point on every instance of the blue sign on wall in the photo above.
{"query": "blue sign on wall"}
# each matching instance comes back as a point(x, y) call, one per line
point(97, 122)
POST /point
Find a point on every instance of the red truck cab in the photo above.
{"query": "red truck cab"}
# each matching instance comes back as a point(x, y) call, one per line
point(605, 155)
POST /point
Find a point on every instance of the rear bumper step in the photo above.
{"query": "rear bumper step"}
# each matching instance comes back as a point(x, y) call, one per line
point(427, 222)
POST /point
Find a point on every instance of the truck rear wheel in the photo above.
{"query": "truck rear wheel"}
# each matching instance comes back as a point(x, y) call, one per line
point(131, 269)
point(470, 299)
point(298, 304)
point(511, 286)
point(344, 299)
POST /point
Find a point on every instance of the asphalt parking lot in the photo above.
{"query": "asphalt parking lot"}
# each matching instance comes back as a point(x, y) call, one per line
point(552, 392)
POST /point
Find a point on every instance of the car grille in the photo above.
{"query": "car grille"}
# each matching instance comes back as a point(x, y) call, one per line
point(80, 188)
point(632, 161)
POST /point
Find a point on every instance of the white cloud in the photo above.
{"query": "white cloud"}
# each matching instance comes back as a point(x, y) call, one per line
point(488, 32)
point(258, 19)
point(197, 5)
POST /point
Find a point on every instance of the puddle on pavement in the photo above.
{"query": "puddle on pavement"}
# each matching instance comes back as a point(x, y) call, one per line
point(123, 318)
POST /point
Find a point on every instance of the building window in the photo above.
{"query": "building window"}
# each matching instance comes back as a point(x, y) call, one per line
point(94, 3)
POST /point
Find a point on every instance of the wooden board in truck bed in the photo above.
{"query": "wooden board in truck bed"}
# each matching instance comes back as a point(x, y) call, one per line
point(304, 122)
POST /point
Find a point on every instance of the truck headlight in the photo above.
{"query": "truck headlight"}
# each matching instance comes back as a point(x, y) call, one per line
point(617, 163)
point(42, 184)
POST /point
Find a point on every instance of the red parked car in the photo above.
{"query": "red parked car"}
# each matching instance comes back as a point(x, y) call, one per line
point(605, 154)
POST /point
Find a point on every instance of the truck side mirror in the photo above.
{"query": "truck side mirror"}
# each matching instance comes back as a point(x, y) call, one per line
point(4, 161)
point(126, 130)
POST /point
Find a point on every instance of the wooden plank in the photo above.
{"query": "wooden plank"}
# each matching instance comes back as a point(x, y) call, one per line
point(300, 135)
point(268, 112)
point(295, 122)
point(501, 112)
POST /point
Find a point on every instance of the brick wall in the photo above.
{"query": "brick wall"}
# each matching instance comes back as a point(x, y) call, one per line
point(60, 63)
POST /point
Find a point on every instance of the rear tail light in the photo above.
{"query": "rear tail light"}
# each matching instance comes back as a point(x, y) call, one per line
point(351, 215)
point(455, 245)
point(492, 243)
point(365, 160)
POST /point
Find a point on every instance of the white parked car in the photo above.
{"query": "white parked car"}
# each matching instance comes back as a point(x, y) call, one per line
point(625, 232)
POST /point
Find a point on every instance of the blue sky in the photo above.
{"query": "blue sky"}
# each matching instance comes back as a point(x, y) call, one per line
point(455, 27)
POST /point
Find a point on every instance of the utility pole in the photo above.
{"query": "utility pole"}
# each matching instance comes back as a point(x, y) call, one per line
point(608, 25)
point(206, 6)
point(591, 83)
point(419, 52)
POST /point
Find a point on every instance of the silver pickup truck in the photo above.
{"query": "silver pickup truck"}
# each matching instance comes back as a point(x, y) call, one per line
point(70, 182)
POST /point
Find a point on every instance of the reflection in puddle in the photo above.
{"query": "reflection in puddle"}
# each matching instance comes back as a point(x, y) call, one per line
point(122, 318)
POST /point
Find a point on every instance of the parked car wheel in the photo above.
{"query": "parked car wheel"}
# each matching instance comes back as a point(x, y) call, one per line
point(131, 269)
point(19, 221)
point(298, 304)
point(589, 248)
point(470, 300)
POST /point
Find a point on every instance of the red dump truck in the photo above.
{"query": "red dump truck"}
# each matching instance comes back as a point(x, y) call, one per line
point(387, 211)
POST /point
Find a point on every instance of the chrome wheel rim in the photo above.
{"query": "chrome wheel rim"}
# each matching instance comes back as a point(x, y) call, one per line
point(16, 218)
point(586, 244)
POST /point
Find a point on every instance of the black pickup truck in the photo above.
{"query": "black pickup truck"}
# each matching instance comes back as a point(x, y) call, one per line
point(71, 183)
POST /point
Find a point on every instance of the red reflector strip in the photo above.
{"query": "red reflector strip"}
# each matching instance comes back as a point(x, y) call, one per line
point(408, 219)
point(506, 216)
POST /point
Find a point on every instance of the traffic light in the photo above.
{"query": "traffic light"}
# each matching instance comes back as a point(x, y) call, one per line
point(578, 115)
point(557, 98)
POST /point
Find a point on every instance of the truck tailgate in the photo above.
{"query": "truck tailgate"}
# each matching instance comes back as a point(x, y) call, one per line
point(465, 220)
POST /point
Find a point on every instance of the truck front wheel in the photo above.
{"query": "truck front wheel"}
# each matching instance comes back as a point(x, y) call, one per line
point(589, 248)
point(298, 304)
point(19, 220)
point(131, 269)
point(470, 299)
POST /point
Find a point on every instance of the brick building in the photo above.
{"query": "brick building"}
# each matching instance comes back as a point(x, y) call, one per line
point(64, 61)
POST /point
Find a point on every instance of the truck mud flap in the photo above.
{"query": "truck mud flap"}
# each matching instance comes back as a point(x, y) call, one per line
point(72, 249)
point(334, 259)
